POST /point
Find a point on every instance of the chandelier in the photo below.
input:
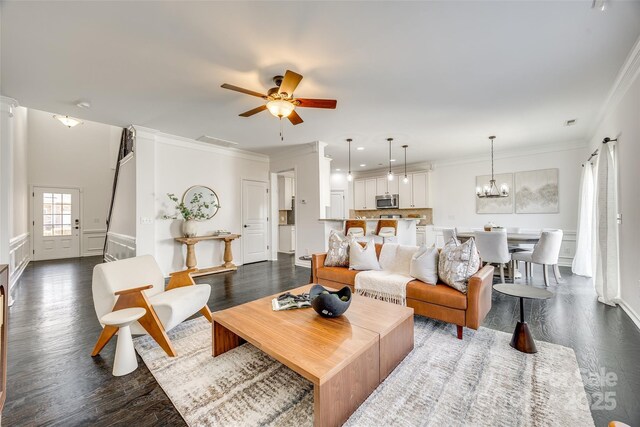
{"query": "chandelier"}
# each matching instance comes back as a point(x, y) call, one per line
point(491, 190)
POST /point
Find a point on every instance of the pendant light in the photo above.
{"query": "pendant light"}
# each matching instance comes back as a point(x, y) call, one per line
point(349, 176)
point(390, 174)
point(406, 178)
point(491, 191)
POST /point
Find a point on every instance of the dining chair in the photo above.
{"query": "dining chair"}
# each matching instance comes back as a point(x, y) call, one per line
point(494, 249)
point(449, 233)
point(545, 252)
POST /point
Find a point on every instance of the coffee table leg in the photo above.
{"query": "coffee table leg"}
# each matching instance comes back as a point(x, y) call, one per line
point(223, 339)
point(338, 397)
point(522, 339)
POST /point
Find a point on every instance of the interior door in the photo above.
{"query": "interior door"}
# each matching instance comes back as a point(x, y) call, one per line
point(56, 223)
point(255, 213)
point(337, 204)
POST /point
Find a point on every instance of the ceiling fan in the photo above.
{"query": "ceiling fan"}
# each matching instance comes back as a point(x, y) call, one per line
point(280, 101)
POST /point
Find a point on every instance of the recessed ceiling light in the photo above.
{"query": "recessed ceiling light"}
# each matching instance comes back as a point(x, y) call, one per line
point(84, 104)
point(570, 122)
point(360, 148)
point(67, 121)
point(338, 170)
point(362, 165)
point(392, 160)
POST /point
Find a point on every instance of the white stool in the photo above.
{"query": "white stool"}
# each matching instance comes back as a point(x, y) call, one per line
point(125, 361)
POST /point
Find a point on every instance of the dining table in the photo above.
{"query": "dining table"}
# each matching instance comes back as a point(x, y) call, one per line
point(513, 238)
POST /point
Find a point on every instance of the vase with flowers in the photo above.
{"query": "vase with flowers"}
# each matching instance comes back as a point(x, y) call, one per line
point(196, 210)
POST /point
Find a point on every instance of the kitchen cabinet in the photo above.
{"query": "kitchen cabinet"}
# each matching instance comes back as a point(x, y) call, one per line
point(287, 238)
point(370, 194)
point(359, 195)
point(420, 186)
point(415, 193)
point(412, 195)
point(364, 194)
point(285, 193)
point(381, 186)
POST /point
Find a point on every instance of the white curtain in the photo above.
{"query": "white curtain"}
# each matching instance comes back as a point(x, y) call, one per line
point(583, 259)
point(607, 274)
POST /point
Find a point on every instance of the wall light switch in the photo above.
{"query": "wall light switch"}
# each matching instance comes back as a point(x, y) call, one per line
point(146, 220)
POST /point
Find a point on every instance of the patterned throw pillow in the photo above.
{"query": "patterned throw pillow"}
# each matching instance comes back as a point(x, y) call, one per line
point(457, 263)
point(338, 253)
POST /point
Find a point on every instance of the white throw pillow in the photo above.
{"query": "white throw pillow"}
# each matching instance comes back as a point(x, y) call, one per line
point(396, 258)
point(387, 232)
point(363, 258)
point(424, 265)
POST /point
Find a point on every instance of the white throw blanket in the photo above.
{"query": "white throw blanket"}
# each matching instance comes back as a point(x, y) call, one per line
point(389, 284)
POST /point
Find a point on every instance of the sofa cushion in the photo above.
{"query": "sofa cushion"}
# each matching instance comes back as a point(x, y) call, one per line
point(363, 257)
point(439, 294)
point(457, 263)
point(397, 258)
point(338, 253)
point(338, 274)
point(424, 265)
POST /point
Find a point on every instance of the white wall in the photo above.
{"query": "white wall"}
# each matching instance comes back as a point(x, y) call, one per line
point(20, 184)
point(306, 160)
point(622, 121)
point(121, 238)
point(78, 157)
point(454, 201)
point(178, 163)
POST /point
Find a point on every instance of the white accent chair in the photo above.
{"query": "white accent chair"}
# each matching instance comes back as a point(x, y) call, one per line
point(449, 233)
point(494, 249)
point(545, 252)
point(139, 282)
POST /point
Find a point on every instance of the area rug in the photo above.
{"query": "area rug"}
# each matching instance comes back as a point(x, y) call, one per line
point(477, 381)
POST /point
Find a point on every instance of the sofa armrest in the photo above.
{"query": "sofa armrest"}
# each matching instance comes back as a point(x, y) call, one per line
point(479, 296)
point(317, 261)
point(133, 290)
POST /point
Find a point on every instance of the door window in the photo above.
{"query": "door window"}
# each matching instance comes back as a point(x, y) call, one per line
point(56, 214)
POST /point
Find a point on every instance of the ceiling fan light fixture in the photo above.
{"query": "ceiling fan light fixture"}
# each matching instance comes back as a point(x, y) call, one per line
point(67, 121)
point(280, 108)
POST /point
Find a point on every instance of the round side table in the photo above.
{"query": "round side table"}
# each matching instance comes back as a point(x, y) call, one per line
point(125, 361)
point(522, 339)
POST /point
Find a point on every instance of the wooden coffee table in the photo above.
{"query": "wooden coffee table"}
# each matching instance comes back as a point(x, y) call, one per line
point(345, 358)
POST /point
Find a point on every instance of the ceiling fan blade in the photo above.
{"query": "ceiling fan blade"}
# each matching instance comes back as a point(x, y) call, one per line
point(254, 111)
point(294, 118)
point(317, 103)
point(289, 83)
point(243, 90)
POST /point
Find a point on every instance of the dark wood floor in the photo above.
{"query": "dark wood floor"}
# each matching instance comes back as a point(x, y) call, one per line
point(53, 381)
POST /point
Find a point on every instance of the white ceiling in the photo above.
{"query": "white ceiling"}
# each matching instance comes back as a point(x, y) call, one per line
point(439, 76)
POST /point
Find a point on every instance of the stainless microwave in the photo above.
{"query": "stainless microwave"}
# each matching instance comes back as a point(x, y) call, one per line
point(388, 201)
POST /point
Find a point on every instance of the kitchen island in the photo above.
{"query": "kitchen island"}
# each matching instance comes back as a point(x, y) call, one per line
point(406, 228)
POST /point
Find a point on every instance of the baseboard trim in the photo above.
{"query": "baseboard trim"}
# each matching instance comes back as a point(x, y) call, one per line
point(630, 312)
point(305, 264)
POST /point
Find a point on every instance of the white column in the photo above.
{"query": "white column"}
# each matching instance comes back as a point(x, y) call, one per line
point(144, 153)
point(6, 177)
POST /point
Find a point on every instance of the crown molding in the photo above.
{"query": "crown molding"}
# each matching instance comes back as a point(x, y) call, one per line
point(514, 153)
point(297, 150)
point(626, 76)
point(180, 141)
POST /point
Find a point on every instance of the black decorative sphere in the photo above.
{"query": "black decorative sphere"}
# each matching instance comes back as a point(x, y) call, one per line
point(329, 303)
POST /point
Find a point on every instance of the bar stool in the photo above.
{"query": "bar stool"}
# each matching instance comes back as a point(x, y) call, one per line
point(125, 361)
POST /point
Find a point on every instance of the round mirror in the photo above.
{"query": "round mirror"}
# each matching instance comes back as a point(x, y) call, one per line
point(202, 201)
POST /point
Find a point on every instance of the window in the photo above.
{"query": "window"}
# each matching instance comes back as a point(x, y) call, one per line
point(56, 214)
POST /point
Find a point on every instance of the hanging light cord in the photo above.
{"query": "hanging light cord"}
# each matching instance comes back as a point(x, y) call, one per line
point(492, 177)
point(405, 160)
point(349, 141)
point(281, 130)
point(389, 139)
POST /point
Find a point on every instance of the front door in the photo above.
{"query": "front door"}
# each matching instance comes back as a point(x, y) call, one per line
point(255, 213)
point(56, 223)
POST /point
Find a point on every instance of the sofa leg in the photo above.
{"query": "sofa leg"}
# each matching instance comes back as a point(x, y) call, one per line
point(459, 331)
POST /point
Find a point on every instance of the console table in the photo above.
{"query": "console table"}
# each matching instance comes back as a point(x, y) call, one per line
point(191, 261)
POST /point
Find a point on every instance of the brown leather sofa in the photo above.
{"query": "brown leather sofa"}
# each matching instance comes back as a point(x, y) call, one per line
point(440, 302)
